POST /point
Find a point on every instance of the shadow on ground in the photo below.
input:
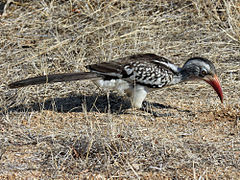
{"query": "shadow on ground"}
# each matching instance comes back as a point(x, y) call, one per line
point(93, 103)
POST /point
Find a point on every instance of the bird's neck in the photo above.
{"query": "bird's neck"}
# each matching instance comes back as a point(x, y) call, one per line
point(179, 76)
point(187, 74)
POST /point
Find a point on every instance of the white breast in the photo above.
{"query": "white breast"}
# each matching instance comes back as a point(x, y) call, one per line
point(114, 84)
point(137, 93)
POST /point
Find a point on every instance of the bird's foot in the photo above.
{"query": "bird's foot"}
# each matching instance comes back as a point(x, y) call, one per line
point(135, 111)
point(146, 107)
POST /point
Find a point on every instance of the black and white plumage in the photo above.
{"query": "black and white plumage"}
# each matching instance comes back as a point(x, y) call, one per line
point(137, 75)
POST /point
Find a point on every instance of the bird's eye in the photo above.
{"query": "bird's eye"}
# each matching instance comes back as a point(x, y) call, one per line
point(204, 72)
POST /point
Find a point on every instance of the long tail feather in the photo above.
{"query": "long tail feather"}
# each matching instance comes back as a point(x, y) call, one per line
point(54, 78)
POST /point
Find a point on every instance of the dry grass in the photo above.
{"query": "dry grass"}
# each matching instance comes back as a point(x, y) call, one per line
point(66, 130)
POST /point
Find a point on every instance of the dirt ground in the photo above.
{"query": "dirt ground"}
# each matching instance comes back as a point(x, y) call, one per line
point(73, 130)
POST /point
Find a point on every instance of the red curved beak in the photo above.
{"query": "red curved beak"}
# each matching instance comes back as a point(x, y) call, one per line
point(215, 83)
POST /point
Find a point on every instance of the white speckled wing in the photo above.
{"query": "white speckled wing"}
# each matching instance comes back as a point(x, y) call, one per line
point(148, 70)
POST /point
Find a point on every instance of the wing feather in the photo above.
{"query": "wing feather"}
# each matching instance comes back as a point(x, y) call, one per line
point(146, 69)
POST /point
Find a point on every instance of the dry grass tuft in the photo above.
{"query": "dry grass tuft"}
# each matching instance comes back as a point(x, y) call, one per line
point(66, 130)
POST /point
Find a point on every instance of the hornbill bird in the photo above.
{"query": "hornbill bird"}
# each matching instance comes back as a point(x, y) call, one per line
point(137, 75)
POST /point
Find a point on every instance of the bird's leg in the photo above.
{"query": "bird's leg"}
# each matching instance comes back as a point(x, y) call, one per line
point(137, 96)
point(147, 107)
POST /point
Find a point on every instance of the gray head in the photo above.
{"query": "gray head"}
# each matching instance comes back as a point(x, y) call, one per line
point(198, 68)
point(203, 69)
